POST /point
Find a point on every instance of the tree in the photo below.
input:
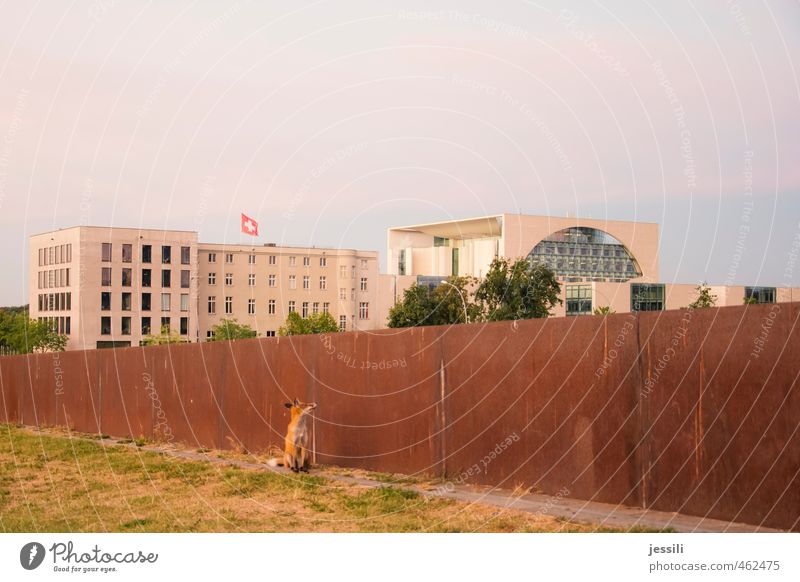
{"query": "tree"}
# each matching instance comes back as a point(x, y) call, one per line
point(603, 310)
point(750, 301)
point(517, 290)
point(167, 336)
point(704, 297)
point(315, 323)
point(442, 305)
point(231, 329)
point(21, 335)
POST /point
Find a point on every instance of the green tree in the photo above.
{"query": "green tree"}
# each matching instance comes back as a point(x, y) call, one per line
point(517, 290)
point(447, 303)
point(603, 310)
point(167, 336)
point(704, 297)
point(750, 301)
point(315, 323)
point(21, 335)
point(231, 329)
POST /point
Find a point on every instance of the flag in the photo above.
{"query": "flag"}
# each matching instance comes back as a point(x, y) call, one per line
point(249, 226)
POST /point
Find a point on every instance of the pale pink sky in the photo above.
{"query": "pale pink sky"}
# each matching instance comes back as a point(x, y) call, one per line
point(329, 122)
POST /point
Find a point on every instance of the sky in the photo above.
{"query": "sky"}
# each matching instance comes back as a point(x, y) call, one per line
point(329, 122)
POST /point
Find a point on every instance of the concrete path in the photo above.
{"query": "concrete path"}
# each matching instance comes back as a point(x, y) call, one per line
point(599, 514)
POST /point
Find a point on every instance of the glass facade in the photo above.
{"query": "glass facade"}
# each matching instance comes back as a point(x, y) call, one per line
point(579, 300)
point(579, 254)
point(647, 297)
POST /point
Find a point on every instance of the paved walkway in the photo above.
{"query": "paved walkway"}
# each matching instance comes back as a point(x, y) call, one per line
point(600, 514)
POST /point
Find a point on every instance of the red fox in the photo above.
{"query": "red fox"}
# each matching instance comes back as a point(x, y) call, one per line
point(296, 454)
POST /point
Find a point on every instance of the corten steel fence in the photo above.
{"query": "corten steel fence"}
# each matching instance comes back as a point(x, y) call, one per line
point(694, 411)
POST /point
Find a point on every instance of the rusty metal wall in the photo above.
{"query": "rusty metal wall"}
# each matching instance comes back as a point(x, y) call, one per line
point(690, 411)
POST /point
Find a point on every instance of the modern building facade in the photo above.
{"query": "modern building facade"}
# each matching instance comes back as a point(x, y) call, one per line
point(111, 287)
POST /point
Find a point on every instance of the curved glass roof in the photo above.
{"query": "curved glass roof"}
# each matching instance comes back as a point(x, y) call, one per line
point(580, 253)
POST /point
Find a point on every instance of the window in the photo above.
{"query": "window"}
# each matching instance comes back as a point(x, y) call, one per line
point(439, 241)
point(363, 283)
point(228, 305)
point(251, 279)
point(184, 325)
point(292, 261)
point(145, 326)
point(342, 293)
point(166, 299)
point(352, 294)
point(105, 301)
point(126, 302)
point(342, 323)
point(166, 255)
point(272, 259)
point(185, 255)
point(759, 294)
point(352, 271)
point(229, 258)
point(343, 271)
point(105, 326)
point(306, 261)
point(184, 279)
point(579, 300)
point(166, 324)
point(184, 302)
point(326, 307)
point(271, 280)
point(271, 307)
point(126, 326)
point(106, 250)
point(251, 306)
point(315, 308)
point(147, 253)
point(106, 277)
point(212, 278)
point(364, 264)
point(166, 278)
point(323, 283)
point(127, 253)
point(306, 282)
point(147, 276)
point(251, 259)
point(210, 335)
point(363, 310)
point(146, 301)
point(126, 277)
point(228, 279)
point(291, 307)
point(269, 333)
point(647, 297)
point(304, 309)
point(323, 261)
point(212, 257)
point(212, 304)
point(292, 282)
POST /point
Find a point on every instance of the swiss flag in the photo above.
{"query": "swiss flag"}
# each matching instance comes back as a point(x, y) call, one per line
point(249, 226)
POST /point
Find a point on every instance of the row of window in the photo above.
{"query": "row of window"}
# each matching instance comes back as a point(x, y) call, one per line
point(55, 301)
point(147, 277)
point(363, 307)
point(273, 260)
point(146, 301)
point(61, 325)
point(55, 255)
point(272, 281)
point(125, 323)
point(126, 253)
point(54, 278)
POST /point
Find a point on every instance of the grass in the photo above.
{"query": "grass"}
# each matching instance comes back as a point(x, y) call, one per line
point(55, 482)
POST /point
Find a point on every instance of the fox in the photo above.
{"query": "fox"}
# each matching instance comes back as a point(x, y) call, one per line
point(296, 455)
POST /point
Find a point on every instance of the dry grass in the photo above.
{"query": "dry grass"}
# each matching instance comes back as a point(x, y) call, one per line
point(51, 482)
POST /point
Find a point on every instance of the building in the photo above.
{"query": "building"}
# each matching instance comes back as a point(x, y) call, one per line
point(600, 263)
point(111, 287)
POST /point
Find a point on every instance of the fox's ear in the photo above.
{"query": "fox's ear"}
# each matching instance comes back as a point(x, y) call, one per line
point(288, 405)
point(296, 402)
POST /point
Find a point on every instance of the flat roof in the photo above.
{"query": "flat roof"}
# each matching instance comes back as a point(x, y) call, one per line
point(463, 228)
point(134, 228)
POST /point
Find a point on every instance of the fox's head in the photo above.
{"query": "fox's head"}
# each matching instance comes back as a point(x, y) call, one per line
point(297, 408)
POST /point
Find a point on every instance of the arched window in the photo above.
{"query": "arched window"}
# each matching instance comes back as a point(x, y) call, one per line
point(580, 253)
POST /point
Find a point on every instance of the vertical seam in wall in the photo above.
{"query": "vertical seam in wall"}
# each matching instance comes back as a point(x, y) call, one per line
point(442, 414)
point(643, 444)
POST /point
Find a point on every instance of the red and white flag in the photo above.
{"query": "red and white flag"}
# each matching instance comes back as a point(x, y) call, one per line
point(249, 226)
